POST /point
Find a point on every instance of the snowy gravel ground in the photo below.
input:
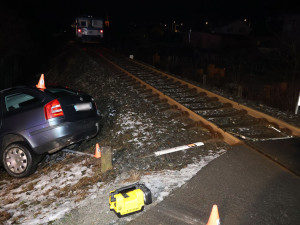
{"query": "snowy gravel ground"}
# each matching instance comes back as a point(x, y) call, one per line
point(70, 189)
point(39, 201)
point(95, 209)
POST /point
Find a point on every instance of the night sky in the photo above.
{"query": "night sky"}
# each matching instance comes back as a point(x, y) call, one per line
point(61, 13)
point(31, 31)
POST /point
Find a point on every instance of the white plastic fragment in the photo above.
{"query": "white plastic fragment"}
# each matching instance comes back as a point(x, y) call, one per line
point(298, 105)
point(176, 149)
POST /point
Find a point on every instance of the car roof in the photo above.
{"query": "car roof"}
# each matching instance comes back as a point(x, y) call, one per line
point(18, 88)
point(37, 90)
point(24, 87)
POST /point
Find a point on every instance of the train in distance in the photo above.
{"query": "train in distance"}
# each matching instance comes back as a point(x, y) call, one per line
point(89, 29)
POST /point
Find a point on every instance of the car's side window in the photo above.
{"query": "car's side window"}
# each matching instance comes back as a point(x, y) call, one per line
point(17, 101)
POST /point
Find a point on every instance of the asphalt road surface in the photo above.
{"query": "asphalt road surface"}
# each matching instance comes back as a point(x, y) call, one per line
point(285, 151)
point(247, 187)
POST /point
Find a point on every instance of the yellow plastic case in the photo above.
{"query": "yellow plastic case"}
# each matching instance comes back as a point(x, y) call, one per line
point(129, 199)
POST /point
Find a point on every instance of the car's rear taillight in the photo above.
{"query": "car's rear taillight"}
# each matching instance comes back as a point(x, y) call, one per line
point(79, 30)
point(101, 31)
point(53, 109)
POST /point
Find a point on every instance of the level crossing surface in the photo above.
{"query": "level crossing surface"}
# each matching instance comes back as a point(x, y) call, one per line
point(246, 187)
point(285, 151)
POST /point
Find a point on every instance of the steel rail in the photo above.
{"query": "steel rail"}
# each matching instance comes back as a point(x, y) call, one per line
point(228, 138)
point(295, 131)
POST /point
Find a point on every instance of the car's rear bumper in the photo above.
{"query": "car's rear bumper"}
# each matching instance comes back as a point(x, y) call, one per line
point(54, 138)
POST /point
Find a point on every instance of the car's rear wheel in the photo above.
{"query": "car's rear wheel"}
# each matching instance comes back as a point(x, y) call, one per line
point(18, 160)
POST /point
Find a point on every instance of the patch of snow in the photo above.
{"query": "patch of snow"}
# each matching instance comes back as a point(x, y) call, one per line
point(160, 183)
point(163, 183)
point(137, 124)
point(39, 204)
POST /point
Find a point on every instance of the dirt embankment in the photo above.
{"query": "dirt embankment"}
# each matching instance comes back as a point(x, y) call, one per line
point(67, 188)
point(70, 186)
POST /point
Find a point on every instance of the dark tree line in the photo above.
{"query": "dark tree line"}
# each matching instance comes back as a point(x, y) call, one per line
point(15, 47)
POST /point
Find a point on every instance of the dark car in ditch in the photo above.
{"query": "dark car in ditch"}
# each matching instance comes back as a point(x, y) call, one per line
point(34, 122)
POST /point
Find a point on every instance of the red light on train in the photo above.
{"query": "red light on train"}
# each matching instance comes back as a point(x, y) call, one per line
point(79, 30)
point(101, 31)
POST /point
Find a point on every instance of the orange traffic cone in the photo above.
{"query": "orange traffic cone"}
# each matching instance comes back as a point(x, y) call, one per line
point(214, 218)
point(41, 84)
point(97, 151)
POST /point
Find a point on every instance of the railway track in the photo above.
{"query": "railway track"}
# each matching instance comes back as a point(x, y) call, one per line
point(234, 123)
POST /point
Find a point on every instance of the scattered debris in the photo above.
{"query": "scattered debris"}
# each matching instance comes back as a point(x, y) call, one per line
point(176, 149)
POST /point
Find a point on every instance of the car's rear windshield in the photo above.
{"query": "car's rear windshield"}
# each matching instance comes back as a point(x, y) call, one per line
point(60, 92)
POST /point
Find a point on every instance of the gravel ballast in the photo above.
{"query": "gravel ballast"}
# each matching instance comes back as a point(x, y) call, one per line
point(133, 126)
